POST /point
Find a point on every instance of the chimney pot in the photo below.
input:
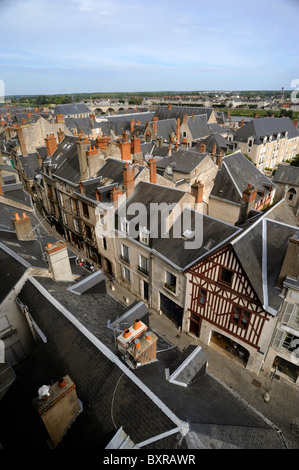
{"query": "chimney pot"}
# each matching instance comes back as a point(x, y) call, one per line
point(137, 324)
point(61, 383)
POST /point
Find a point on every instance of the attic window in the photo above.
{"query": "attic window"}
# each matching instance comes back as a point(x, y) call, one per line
point(209, 244)
point(226, 276)
point(144, 236)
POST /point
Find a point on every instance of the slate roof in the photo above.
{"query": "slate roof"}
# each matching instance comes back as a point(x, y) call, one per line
point(178, 112)
point(262, 127)
point(198, 127)
point(261, 250)
point(74, 108)
point(29, 251)
point(15, 193)
point(11, 270)
point(165, 127)
point(64, 161)
point(29, 164)
point(235, 175)
point(221, 143)
point(110, 175)
point(183, 161)
point(211, 233)
point(147, 194)
point(286, 174)
point(80, 344)
point(142, 117)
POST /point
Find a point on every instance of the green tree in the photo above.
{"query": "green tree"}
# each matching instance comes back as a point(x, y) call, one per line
point(295, 161)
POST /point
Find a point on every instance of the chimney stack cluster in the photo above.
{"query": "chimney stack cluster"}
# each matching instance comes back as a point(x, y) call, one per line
point(136, 345)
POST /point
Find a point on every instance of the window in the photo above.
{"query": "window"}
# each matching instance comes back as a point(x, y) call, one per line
point(61, 199)
point(77, 225)
point(226, 276)
point(143, 265)
point(290, 342)
point(170, 282)
point(126, 273)
point(85, 210)
point(125, 253)
point(240, 317)
point(74, 206)
point(88, 232)
point(201, 299)
point(144, 236)
point(123, 226)
point(104, 243)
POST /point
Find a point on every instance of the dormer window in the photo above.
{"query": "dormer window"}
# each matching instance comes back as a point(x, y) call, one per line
point(270, 138)
point(123, 226)
point(265, 140)
point(278, 136)
point(144, 236)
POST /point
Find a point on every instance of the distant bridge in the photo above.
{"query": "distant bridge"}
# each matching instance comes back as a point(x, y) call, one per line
point(104, 107)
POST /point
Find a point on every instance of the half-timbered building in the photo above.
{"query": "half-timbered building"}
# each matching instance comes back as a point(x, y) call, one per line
point(233, 293)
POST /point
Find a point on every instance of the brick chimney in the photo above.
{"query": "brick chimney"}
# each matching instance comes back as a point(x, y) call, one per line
point(60, 135)
point(185, 118)
point(39, 160)
point(219, 160)
point(21, 139)
point(23, 227)
point(184, 144)
point(256, 116)
point(128, 175)
point(115, 194)
point(58, 406)
point(58, 261)
point(247, 204)
point(59, 118)
point(202, 148)
point(178, 127)
point(125, 150)
point(132, 125)
point(169, 107)
point(228, 115)
point(83, 145)
point(197, 191)
point(51, 144)
point(155, 129)
point(290, 265)
point(135, 145)
point(241, 123)
point(214, 149)
point(153, 171)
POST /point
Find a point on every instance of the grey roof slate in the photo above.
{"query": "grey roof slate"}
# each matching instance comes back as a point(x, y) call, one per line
point(235, 175)
point(74, 108)
point(178, 112)
point(11, 270)
point(184, 161)
point(262, 127)
point(198, 127)
point(261, 251)
point(286, 174)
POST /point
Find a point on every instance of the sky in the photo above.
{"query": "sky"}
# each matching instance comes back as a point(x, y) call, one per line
point(86, 46)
